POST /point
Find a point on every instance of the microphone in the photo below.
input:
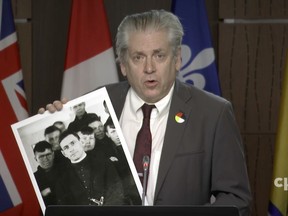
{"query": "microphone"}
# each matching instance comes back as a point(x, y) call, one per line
point(145, 162)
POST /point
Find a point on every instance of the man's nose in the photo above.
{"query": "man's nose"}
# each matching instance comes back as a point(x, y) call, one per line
point(149, 65)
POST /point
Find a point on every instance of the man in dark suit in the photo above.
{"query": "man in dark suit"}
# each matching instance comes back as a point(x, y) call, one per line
point(46, 173)
point(87, 180)
point(197, 153)
point(81, 117)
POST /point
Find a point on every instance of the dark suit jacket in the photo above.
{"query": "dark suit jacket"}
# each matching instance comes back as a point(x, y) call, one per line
point(103, 181)
point(202, 156)
point(46, 182)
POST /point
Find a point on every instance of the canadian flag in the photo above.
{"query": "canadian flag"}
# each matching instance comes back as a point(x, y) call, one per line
point(90, 60)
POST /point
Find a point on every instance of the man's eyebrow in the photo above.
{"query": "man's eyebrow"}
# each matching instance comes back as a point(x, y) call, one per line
point(137, 53)
point(142, 53)
point(158, 50)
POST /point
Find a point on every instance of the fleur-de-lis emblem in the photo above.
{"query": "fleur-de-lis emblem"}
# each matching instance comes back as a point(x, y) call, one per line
point(202, 60)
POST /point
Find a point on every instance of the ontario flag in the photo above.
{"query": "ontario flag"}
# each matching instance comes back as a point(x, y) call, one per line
point(90, 60)
point(198, 56)
point(17, 197)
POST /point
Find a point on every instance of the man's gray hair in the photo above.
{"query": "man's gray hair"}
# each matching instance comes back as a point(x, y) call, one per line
point(154, 20)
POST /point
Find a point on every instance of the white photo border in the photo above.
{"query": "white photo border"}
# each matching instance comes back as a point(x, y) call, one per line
point(31, 128)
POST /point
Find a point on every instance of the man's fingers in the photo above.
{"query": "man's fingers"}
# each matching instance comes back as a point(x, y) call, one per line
point(51, 108)
point(58, 105)
point(41, 110)
point(64, 100)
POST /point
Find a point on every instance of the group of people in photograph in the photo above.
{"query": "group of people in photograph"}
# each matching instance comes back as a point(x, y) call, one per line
point(83, 163)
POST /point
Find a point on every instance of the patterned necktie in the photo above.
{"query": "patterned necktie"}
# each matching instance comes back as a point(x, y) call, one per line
point(143, 141)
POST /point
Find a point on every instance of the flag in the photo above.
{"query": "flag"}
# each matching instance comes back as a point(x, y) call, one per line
point(198, 56)
point(17, 196)
point(278, 204)
point(90, 60)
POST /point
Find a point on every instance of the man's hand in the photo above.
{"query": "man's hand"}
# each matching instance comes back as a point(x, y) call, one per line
point(55, 106)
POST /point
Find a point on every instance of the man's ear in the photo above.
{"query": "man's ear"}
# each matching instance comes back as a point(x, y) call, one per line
point(178, 59)
point(123, 69)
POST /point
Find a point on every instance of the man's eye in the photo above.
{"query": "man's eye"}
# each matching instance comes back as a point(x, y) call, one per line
point(138, 58)
point(160, 56)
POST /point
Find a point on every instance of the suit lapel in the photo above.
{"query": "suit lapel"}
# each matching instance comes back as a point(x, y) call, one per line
point(174, 132)
point(117, 94)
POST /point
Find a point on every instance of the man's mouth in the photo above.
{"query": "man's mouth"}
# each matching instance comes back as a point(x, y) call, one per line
point(150, 83)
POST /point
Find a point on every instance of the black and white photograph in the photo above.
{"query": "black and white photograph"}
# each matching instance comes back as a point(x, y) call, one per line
point(78, 156)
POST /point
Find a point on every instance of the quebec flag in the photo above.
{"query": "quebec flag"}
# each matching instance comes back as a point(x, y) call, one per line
point(16, 192)
point(198, 57)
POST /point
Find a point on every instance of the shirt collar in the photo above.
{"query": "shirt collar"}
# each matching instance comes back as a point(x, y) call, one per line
point(162, 105)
